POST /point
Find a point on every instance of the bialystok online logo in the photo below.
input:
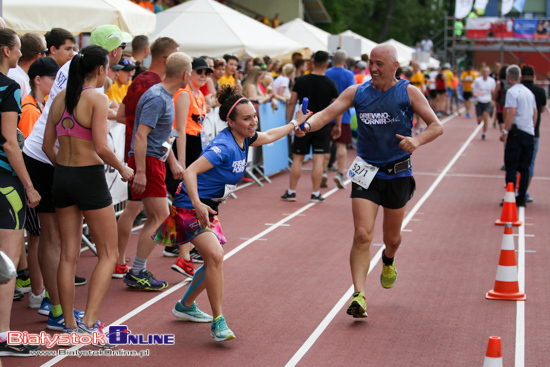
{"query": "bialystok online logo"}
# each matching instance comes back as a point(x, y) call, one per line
point(117, 335)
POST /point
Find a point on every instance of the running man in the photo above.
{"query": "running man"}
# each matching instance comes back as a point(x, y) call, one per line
point(483, 89)
point(385, 107)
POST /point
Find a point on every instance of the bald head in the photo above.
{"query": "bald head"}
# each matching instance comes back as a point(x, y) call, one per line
point(385, 51)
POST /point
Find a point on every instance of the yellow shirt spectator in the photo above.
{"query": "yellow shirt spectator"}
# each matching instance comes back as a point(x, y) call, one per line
point(468, 77)
point(418, 80)
point(227, 80)
point(118, 92)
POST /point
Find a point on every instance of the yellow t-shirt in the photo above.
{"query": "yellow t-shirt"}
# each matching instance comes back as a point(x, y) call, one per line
point(118, 93)
point(468, 78)
point(450, 77)
point(418, 80)
point(227, 80)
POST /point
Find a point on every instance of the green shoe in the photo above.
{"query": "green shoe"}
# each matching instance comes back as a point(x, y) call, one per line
point(358, 306)
point(388, 276)
point(219, 330)
point(23, 286)
point(190, 313)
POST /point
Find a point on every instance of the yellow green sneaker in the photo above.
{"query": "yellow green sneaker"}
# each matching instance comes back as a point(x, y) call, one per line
point(358, 306)
point(388, 276)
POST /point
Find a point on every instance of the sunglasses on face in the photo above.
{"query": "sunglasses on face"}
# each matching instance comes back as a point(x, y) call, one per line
point(43, 52)
point(122, 46)
point(207, 72)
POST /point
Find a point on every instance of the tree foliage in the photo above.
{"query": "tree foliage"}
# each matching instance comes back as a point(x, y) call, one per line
point(410, 20)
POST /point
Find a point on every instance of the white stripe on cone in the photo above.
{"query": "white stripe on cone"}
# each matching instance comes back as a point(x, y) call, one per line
point(510, 197)
point(508, 242)
point(507, 273)
point(492, 362)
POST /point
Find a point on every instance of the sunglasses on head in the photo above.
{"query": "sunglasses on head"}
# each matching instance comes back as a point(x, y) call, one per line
point(207, 72)
point(43, 52)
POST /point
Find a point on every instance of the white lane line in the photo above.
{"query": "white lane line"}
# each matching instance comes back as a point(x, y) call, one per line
point(178, 286)
point(520, 312)
point(332, 314)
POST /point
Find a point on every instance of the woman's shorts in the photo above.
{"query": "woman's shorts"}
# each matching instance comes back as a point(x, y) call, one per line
point(391, 194)
point(85, 187)
point(182, 226)
point(13, 202)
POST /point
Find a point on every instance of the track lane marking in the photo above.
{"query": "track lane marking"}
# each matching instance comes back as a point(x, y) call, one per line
point(520, 311)
point(332, 314)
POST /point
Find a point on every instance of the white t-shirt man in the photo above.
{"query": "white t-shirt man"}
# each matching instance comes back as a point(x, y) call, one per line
point(427, 45)
point(483, 89)
point(22, 78)
point(523, 100)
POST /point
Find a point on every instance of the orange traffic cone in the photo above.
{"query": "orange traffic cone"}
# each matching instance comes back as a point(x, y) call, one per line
point(509, 210)
point(506, 283)
point(493, 357)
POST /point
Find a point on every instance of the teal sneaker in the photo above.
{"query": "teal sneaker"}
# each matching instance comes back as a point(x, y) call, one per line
point(190, 313)
point(388, 276)
point(219, 330)
point(358, 306)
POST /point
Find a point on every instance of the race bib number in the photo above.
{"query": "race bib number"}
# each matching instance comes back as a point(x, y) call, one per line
point(361, 172)
point(228, 190)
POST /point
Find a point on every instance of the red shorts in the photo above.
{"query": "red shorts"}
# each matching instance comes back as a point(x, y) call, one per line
point(155, 172)
point(345, 136)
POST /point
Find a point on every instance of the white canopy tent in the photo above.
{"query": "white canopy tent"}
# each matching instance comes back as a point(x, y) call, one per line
point(405, 54)
point(366, 44)
point(76, 16)
point(206, 27)
point(314, 38)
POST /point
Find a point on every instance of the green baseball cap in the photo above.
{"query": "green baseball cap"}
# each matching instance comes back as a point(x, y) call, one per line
point(109, 37)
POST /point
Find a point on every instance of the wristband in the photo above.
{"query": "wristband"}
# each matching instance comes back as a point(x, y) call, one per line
point(295, 124)
point(504, 131)
point(308, 124)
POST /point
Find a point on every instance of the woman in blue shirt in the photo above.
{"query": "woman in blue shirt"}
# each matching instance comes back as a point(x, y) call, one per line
point(206, 183)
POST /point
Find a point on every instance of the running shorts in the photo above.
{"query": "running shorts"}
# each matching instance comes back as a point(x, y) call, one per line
point(345, 136)
point(13, 202)
point(318, 140)
point(391, 194)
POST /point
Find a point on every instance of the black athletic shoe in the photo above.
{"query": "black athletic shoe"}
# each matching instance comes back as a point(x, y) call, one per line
point(21, 350)
point(195, 256)
point(171, 251)
point(288, 197)
point(317, 199)
point(79, 280)
point(17, 295)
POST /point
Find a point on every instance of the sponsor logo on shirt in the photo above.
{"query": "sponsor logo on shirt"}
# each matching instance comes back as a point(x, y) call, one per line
point(239, 166)
point(382, 118)
point(216, 150)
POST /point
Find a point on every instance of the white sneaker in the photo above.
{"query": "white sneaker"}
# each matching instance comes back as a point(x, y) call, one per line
point(36, 301)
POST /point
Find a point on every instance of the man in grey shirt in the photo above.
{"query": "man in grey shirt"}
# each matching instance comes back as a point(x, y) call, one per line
point(519, 131)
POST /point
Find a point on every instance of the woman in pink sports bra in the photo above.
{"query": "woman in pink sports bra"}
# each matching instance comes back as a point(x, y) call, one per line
point(78, 120)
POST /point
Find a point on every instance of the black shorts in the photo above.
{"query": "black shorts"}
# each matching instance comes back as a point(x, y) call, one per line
point(481, 108)
point(441, 91)
point(467, 95)
point(319, 140)
point(13, 202)
point(41, 175)
point(85, 187)
point(432, 93)
point(391, 194)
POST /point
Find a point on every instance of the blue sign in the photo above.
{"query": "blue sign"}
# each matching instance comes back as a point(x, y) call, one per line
point(275, 155)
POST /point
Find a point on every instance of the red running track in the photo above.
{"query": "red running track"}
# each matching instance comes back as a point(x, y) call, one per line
point(282, 285)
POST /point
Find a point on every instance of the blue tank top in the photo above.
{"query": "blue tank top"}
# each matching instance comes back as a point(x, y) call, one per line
point(381, 115)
